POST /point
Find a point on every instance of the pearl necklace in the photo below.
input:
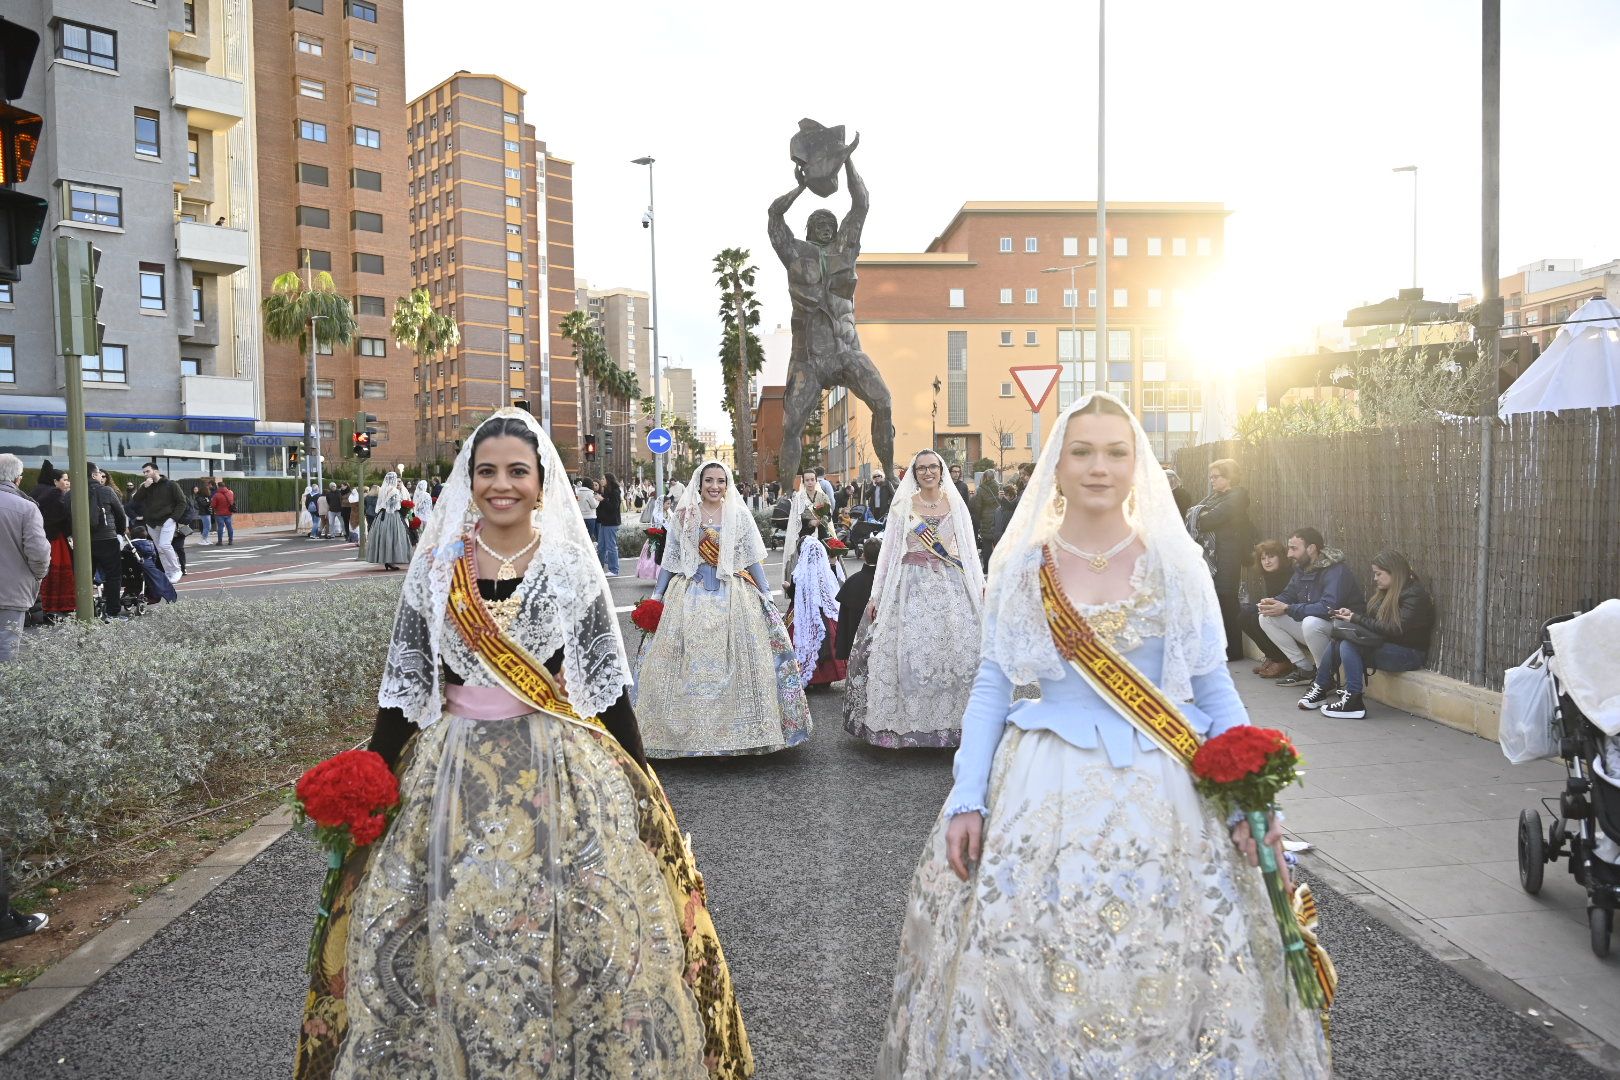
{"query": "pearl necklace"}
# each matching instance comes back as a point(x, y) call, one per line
point(931, 505)
point(1097, 561)
point(507, 571)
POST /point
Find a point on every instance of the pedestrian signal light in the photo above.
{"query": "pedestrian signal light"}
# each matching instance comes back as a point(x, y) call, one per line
point(22, 217)
point(292, 458)
point(590, 448)
point(362, 444)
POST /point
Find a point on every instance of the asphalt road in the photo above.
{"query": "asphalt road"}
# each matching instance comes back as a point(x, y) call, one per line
point(808, 855)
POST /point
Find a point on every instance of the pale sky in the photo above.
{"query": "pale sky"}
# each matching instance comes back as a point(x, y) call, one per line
point(1291, 113)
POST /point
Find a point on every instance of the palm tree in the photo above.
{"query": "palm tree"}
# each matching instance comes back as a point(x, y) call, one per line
point(293, 305)
point(740, 352)
point(590, 358)
point(426, 332)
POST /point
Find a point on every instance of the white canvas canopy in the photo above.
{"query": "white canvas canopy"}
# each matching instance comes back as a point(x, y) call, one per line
point(1579, 370)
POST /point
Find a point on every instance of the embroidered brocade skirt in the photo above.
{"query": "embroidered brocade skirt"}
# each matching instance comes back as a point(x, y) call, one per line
point(911, 669)
point(719, 677)
point(533, 912)
point(388, 541)
point(1110, 931)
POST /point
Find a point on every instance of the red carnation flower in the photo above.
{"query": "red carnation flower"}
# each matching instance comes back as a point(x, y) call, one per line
point(836, 544)
point(647, 615)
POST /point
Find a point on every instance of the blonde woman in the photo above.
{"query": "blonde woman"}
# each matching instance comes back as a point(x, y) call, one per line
point(719, 676)
point(917, 648)
point(1079, 911)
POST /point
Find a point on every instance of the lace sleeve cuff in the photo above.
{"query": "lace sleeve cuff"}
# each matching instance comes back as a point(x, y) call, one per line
point(952, 809)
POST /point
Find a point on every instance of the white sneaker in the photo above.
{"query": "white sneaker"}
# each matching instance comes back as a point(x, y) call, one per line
point(175, 577)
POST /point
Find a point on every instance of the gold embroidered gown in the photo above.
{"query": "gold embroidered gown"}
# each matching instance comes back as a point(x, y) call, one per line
point(533, 912)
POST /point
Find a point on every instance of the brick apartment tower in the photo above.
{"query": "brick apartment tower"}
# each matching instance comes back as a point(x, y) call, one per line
point(329, 97)
point(492, 215)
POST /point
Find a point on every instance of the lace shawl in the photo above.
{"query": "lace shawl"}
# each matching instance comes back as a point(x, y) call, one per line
point(741, 546)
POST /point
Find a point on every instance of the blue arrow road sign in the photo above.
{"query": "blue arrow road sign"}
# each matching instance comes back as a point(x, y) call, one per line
point(659, 440)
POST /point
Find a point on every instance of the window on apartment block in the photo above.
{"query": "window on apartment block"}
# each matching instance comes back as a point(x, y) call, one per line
point(312, 88)
point(316, 259)
point(1204, 245)
point(370, 137)
point(1091, 298)
point(317, 6)
point(371, 389)
point(513, 338)
point(309, 45)
point(510, 118)
point(1006, 296)
point(193, 154)
point(312, 174)
point(365, 95)
point(514, 365)
point(313, 217)
point(360, 9)
point(514, 283)
point(87, 45)
point(190, 365)
point(152, 287)
point(513, 174)
point(1031, 245)
point(366, 54)
point(93, 205)
point(366, 263)
point(1006, 245)
point(1122, 247)
point(513, 311)
point(1121, 298)
point(1071, 297)
point(365, 179)
point(1071, 247)
point(511, 146)
point(5, 292)
point(956, 360)
point(1155, 246)
point(514, 229)
point(311, 131)
point(1178, 245)
point(513, 200)
point(1032, 337)
point(373, 346)
point(1032, 296)
point(196, 299)
point(1155, 298)
point(112, 366)
point(364, 221)
point(8, 360)
point(957, 298)
point(189, 10)
point(514, 256)
point(148, 134)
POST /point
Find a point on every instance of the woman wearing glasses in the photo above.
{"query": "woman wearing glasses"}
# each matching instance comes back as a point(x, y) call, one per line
point(917, 649)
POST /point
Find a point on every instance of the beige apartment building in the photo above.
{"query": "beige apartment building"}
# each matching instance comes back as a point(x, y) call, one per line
point(1539, 296)
point(329, 92)
point(680, 395)
point(490, 210)
point(624, 319)
point(992, 292)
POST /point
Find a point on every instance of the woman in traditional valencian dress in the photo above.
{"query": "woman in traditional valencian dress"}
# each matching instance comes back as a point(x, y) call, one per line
point(388, 544)
point(719, 676)
point(1079, 911)
point(813, 625)
point(917, 649)
point(533, 910)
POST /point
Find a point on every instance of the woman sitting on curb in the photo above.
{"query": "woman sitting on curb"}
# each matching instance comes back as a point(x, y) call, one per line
point(1275, 571)
point(1401, 613)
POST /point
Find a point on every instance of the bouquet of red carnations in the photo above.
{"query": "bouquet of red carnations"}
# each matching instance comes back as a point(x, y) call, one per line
point(350, 799)
point(654, 530)
point(836, 545)
point(1245, 769)
point(647, 615)
point(413, 520)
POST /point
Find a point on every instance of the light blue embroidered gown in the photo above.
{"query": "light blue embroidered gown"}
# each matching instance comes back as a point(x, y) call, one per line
point(1111, 929)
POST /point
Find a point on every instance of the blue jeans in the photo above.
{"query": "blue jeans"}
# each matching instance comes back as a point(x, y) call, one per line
point(207, 526)
point(1356, 660)
point(223, 525)
point(607, 546)
point(591, 527)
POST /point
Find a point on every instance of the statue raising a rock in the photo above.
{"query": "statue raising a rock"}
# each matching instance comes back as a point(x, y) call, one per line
point(821, 280)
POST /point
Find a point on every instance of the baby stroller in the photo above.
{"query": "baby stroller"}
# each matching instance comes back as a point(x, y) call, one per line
point(153, 582)
point(132, 594)
point(1585, 826)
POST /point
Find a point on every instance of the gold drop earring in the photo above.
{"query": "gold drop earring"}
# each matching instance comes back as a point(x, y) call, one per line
point(1059, 503)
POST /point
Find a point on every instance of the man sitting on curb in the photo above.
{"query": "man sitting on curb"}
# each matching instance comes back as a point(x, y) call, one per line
point(1300, 618)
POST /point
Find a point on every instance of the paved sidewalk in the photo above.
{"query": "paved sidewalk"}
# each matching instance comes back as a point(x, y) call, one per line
point(1426, 818)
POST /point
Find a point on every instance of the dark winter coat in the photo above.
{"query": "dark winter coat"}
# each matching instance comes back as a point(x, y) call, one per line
point(1323, 588)
point(107, 517)
point(1417, 619)
point(157, 502)
point(853, 596)
point(1221, 524)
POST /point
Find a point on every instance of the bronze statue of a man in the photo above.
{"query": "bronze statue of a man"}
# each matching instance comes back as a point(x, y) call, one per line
point(826, 348)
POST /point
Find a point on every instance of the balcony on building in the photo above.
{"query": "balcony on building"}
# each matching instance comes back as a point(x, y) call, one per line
point(212, 103)
point(213, 397)
point(211, 249)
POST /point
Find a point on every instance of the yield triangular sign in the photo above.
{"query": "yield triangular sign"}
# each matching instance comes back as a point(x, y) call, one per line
point(1036, 381)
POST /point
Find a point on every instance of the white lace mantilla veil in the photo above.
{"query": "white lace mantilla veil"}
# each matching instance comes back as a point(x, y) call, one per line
point(815, 597)
point(567, 603)
point(391, 490)
point(1016, 636)
point(740, 543)
point(886, 583)
point(422, 498)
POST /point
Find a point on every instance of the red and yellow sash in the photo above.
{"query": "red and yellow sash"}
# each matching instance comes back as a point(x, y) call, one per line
point(709, 550)
point(930, 540)
point(508, 662)
point(1115, 678)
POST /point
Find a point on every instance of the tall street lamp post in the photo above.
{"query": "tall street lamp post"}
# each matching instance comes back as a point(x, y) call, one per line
point(651, 224)
point(314, 408)
point(1077, 353)
point(1413, 169)
point(1102, 204)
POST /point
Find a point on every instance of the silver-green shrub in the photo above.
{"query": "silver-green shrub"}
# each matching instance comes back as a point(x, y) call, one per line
point(98, 719)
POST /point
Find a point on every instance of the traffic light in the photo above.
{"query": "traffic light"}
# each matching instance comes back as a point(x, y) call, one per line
point(520, 403)
point(292, 458)
point(78, 297)
point(362, 445)
point(22, 217)
point(590, 448)
point(607, 441)
point(346, 443)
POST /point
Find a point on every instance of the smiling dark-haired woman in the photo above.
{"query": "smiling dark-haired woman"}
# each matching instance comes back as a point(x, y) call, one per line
point(533, 910)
